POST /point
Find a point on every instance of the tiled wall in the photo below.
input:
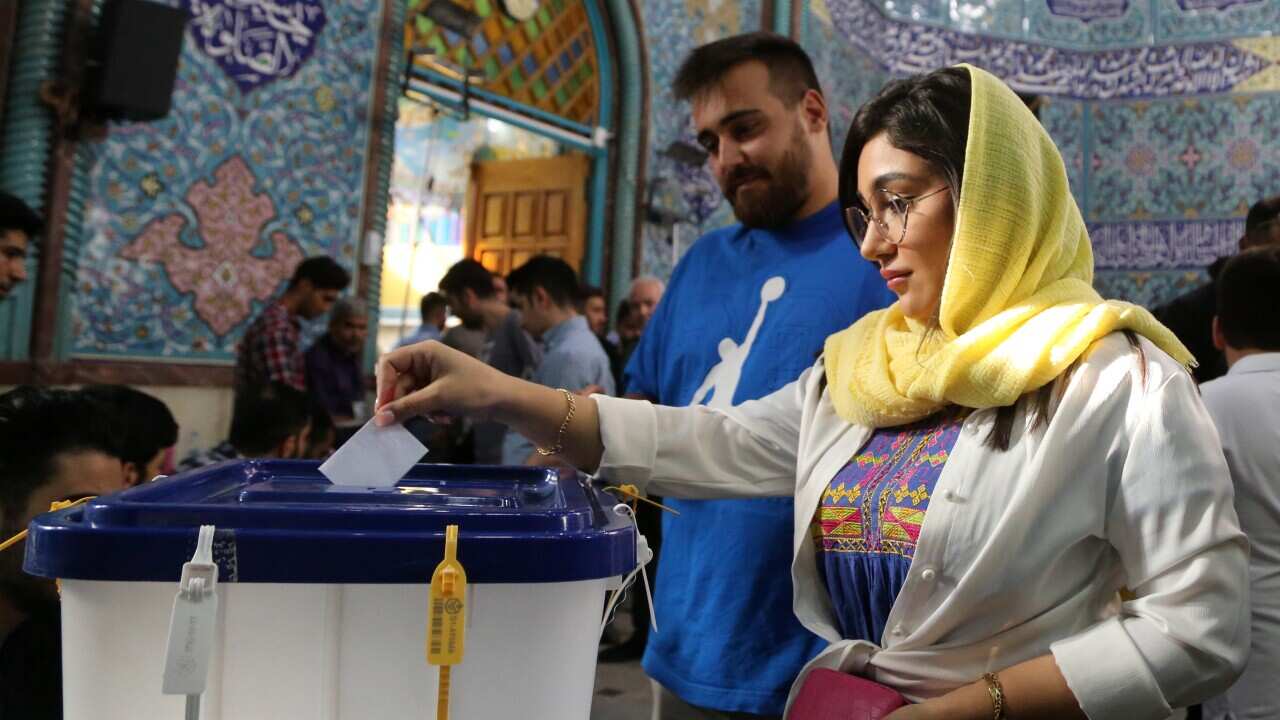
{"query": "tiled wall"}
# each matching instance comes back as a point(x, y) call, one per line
point(849, 75)
point(196, 221)
point(671, 29)
point(1166, 112)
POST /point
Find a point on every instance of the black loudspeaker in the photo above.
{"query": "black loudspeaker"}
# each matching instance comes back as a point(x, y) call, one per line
point(135, 60)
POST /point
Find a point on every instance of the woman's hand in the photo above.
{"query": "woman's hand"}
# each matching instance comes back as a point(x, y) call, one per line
point(433, 379)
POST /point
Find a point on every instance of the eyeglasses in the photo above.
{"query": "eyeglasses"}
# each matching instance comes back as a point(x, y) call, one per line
point(891, 220)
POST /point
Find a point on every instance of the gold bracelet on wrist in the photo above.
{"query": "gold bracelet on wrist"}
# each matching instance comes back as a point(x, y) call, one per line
point(559, 446)
point(997, 695)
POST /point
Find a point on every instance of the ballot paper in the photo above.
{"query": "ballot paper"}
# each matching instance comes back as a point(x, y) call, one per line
point(376, 456)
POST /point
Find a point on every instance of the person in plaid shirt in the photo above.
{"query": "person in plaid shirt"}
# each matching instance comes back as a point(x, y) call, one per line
point(271, 349)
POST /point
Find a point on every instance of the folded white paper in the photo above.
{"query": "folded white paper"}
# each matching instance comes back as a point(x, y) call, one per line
point(374, 457)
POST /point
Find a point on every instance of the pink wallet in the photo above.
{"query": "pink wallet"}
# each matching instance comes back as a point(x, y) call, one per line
point(831, 695)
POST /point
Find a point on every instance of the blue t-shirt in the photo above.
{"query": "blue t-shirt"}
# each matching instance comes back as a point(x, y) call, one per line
point(746, 313)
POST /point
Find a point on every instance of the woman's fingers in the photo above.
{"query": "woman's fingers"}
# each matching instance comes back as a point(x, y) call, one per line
point(413, 404)
point(386, 377)
point(403, 370)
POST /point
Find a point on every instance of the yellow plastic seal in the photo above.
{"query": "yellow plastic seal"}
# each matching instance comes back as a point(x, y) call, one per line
point(447, 623)
point(447, 617)
point(55, 506)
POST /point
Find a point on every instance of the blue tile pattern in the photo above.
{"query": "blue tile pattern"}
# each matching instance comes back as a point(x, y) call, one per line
point(1092, 24)
point(301, 136)
point(1196, 158)
point(849, 76)
point(672, 28)
point(1165, 149)
point(1148, 288)
point(1088, 24)
point(1132, 72)
point(1178, 20)
point(1003, 18)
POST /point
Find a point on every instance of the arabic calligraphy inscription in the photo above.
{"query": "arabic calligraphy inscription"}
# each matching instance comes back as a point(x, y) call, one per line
point(257, 41)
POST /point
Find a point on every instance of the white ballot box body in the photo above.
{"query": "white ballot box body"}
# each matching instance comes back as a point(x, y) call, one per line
point(334, 652)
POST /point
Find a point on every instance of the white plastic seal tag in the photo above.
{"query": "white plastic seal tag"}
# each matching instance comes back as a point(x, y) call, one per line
point(644, 555)
point(195, 610)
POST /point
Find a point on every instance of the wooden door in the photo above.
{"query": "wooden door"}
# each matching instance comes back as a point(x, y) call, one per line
point(520, 208)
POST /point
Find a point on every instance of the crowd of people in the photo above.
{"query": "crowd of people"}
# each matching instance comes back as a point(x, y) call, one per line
point(906, 333)
point(1096, 521)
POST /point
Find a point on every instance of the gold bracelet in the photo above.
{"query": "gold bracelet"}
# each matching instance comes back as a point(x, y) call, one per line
point(559, 448)
point(997, 695)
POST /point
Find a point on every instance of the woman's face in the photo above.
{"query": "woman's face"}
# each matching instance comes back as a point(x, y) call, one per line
point(916, 268)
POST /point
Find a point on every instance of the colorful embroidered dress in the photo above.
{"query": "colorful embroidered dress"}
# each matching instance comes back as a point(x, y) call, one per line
point(870, 517)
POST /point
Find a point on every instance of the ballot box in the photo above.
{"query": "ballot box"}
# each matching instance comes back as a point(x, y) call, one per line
point(322, 592)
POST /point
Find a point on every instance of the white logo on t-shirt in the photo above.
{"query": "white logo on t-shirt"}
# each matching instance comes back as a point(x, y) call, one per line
point(726, 374)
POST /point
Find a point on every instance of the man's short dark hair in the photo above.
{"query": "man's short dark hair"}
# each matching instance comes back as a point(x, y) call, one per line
point(37, 425)
point(468, 275)
point(791, 72)
point(552, 274)
point(1261, 215)
point(1248, 293)
point(431, 302)
point(143, 424)
point(324, 273)
point(585, 293)
point(17, 215)
point(266, 416)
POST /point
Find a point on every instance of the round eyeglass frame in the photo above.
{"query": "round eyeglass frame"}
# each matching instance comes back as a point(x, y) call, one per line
point(854, 216)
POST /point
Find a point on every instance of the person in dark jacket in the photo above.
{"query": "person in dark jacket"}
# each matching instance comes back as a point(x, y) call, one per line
point(1190, 315)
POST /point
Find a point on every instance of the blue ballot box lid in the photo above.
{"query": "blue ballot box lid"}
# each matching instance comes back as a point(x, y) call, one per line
point(282, 521)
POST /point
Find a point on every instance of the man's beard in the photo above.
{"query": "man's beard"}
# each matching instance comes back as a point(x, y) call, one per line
point(784, 192)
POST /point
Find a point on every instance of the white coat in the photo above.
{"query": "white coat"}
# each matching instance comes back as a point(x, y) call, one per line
point(1022, 552)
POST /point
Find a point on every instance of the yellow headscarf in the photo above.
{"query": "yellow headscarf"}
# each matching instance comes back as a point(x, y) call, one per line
point(1018, 305)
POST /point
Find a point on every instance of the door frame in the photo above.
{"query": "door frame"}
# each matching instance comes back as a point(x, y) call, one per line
point(616, 145)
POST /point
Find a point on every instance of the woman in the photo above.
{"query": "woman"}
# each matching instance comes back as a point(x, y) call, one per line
point(1080, 540)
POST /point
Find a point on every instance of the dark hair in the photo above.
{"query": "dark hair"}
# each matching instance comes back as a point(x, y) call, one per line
point(926, 115)
point(324, 273)
point(468, 275)
point(791, 72)
point(549, 273)
point(1032, 101)
point(1248, 291)
point(1261, 215)
point(585, 293)
point(431, 302)
point(626, 309)
point(17, 215)
point(266, 416)
point(36, 426)
point(143, 424)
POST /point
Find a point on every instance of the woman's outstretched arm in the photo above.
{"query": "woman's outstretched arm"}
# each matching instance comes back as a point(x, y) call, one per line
point(434, 380)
